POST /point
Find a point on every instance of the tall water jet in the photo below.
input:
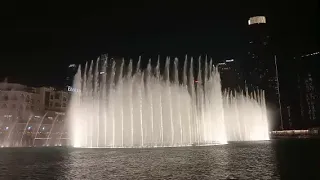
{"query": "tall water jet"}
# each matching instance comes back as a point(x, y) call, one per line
point(119, 107)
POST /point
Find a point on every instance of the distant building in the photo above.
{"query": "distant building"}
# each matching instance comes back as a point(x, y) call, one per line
point(260, 67)
point(72, 70)
point(309, 101)
point(31, 108)
point(231, 74)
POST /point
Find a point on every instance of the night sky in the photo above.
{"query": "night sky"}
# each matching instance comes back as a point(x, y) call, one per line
point(39, 39)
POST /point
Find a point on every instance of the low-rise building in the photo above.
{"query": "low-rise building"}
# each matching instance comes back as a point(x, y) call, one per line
point(32, 115)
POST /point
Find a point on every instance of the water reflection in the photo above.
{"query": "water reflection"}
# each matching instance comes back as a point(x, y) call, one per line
point(232, 161)
point(33, 163)
point(247, 160)
point(298, 159)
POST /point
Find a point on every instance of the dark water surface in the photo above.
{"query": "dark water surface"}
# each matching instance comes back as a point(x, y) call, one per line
point(277, 159)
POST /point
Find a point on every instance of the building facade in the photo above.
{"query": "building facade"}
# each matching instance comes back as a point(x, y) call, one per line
point(301, 93)
point(31, 116)
point(307, 86)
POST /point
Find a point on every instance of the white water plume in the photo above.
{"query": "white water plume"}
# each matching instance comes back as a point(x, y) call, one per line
point(122, 107)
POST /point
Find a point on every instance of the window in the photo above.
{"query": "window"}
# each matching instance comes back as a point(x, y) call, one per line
point(64, 105)
point(38, 101)
point(28, 98)
point(5, 97)
point(13, 106)
point(14, 97)
point(4, 106)
point(57, 104)
point(57, 96)
point(22, 96)
point(51, 97)
point(21, 108)
point(50, 104)
point(64, 99)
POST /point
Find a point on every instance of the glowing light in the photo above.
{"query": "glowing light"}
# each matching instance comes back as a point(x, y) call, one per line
point(257, 20)
point(7, 128)
point(29, 128)
point(229, 60)
point(72, 89)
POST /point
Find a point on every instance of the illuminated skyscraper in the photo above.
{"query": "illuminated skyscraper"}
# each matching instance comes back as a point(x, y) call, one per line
point(231, 75)
point(309, 101)
point(260, 67)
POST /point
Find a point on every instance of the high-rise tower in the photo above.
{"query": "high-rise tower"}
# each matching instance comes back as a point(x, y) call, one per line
point(261, 67)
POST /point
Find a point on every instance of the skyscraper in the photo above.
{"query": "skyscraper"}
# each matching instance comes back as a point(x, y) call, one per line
point(309, 101)
point(231, 75)
point(260, 67)
point(72, 70)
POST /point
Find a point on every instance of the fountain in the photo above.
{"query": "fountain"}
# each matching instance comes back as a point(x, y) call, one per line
point(115, 106)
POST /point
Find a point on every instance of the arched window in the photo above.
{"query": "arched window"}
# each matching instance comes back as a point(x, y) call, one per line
point(22, 96)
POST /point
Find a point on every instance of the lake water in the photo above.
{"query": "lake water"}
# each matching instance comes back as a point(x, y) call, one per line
point(277, 159)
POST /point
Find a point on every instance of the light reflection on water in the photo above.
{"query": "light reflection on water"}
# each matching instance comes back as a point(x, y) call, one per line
point(250, 160)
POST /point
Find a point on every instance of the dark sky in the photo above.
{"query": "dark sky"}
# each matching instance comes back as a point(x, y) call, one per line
point(40, 38)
